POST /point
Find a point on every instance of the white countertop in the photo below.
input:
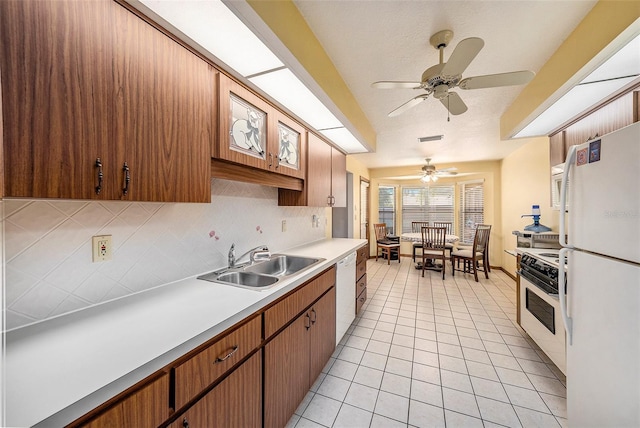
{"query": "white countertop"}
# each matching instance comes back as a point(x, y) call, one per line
point(60, 369)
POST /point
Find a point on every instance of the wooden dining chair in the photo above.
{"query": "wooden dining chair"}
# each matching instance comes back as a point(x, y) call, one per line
point(449, 226)
point(485, 258)
point(433, 246)
point(384, 244)
point(470, 257)
point(416, 227)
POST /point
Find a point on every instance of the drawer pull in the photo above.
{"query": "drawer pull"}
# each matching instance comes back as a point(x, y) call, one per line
point(225, 357)
point(127, 179)
point(185, 423)
point(100, 176)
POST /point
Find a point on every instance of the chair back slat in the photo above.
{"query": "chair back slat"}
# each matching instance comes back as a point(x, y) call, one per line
point(381, 231)
point(434, 237)
point(446, 224)
point(416, 226)
point(481, 240)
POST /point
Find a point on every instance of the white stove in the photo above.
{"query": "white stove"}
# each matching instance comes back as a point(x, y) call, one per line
point(549, 256)
point(540, 314)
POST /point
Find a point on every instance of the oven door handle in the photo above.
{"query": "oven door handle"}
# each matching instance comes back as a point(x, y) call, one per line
point(562, 295)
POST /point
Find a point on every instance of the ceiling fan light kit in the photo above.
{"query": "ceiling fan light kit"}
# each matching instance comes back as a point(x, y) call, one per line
point(441, 78)
point(431, 174)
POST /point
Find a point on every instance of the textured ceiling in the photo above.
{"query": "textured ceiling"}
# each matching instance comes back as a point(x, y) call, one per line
point(370, 41)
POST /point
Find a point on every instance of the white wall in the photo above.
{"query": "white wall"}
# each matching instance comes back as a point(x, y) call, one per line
point(47, 244)
point(526, 180)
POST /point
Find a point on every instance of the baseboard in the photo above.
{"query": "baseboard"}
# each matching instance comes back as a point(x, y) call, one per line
point(509, 274)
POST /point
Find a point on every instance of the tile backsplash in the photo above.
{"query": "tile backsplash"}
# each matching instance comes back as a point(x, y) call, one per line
point(48, 253)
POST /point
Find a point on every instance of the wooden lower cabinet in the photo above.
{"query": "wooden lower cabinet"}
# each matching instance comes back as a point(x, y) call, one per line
point(322, 333)
point(234, 402)
point(147, 407)
point(295, 358)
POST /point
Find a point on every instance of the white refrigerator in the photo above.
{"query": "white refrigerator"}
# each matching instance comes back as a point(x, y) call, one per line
point(601, 306)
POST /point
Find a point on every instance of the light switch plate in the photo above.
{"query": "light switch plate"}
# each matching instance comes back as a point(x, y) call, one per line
point(101, 248)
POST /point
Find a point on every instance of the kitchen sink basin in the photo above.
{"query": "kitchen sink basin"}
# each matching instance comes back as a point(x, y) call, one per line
point(241, 279)
point(283, 265)
point(263, 274)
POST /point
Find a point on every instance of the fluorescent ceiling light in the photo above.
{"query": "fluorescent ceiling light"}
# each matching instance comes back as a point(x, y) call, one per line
point(214, 27)
point(619, 70)
point(219, 31)
point(285, 87)
point(344, 139)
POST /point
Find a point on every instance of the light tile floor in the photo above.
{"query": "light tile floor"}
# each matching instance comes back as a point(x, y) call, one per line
point(431, 353)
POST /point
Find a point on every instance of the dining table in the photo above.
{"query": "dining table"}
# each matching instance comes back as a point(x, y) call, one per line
point(417, 237)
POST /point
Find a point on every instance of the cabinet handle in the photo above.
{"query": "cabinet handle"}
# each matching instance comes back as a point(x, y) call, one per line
point(185, 423)
point(127, 179)
point(270, 159)
point(307, 325)
point(329, 200)
point(224, 357)
point(361, 299)
point(100, 176)
point(315, 316)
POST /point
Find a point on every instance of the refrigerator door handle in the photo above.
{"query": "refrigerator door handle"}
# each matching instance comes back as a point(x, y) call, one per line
point(562, 295)
point(563, 197)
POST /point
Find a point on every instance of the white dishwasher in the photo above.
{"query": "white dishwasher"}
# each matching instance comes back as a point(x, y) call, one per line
point(345, 294)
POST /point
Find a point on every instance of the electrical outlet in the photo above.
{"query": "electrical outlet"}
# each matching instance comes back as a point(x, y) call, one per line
point(101, 248)
point(284, 225)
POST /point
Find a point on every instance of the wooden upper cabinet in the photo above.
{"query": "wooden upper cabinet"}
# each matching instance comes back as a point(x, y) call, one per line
point(326, 181)
point(608, 118)
point(164, 110)
point(291, 147)
point(90, 80)
point(245, 123)
point(338, 178)
point(56, 95)
point(318, 183)
point(556, 149)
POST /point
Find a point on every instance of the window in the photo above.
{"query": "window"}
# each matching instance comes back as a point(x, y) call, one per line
point(387, 207)
point(433, 203)
point(471, 209)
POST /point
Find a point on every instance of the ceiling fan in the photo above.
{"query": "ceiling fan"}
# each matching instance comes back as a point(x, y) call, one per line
point(430, 173)
point(440, 78)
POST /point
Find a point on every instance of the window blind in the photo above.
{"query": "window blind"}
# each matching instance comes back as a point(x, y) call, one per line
point(471, 208)
point(433, 203)
point(387, 207)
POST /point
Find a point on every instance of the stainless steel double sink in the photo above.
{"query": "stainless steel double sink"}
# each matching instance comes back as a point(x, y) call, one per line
point(263, 274)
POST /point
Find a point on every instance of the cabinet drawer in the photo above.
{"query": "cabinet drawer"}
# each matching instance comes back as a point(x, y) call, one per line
point(361, 284)
point(206, 367)
point(146, 407)
point(288, 308)
point(363, 254)
point(361, 269)
point(360, 300)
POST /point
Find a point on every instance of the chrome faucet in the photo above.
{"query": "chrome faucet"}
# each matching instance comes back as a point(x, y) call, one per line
point(260, 252)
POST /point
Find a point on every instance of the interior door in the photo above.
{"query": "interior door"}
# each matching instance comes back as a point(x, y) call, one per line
point(364, 209)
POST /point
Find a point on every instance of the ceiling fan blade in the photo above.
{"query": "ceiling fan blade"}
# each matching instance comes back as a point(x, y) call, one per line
point(497, 80)
point(454, 103)
point(396, 85)
point(444, 173)
point(409, 104)
point(453, 168)
point(462, 56)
